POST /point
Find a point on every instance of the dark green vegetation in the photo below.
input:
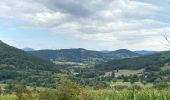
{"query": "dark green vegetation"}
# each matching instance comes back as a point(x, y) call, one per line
point(148, 62)
point(145, 52)
point(151, 69)
point(83, 55)
point(17, 66)
point(69, 90)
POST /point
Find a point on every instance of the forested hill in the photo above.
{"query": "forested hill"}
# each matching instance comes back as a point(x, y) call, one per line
point(19, 67)
point(22, 60)
point(122, 53)
point(83, 55)
point(150, 62)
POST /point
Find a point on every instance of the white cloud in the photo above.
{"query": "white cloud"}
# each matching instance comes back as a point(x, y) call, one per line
point(116, 21)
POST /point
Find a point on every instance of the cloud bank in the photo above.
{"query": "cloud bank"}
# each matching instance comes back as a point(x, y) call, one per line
point(131, 23)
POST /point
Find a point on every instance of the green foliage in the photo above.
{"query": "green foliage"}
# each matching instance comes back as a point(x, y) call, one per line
point(48, 94)
point(150, 63)
point(14, 58)
point(161, 85)
point(120, 87)
point(10, 88)
point(152, 68)
point(24, 68)
point(67, 90)
point(135, 87)
point(20, 91)
point(1, 91)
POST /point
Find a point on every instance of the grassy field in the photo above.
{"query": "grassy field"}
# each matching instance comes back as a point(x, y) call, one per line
point(125, 72)
point(89, 94)
point(112, 84)
point(128, 72)
point(69, 90)
point(167, 67)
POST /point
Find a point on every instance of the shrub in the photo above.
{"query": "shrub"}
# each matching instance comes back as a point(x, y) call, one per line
point(20, 91)
point(48, 94)
point(68, 90)
point(120, 87)
point(135, 87)
point(161, 85)
point(1, 90)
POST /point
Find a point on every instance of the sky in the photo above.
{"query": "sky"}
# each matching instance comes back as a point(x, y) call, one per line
point(89, 24)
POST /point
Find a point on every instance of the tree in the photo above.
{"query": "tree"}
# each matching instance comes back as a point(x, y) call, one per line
point(144, 82)
point(1, 90)
point(113, 74)
point(20, 91)
point(10, 88)
point(166, 38)
point(132, 81)
point(67, 89)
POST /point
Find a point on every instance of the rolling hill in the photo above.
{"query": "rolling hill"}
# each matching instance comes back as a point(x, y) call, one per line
point(83, 55)
point(22, 60)
point(122, 53)
point(146, 52)
point(22, 67)
point(150, 62)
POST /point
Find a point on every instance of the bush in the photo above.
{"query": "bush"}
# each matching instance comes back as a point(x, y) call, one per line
point(135, 87)
point(20, 91)
point(68, 90)
point(48, 94)
point(120, 87)
point(161, 85)
point(1, 90)
point(10, 88)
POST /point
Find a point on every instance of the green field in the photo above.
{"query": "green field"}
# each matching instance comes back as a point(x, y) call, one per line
point(167, 67)
point(89, 94)
point(69, 90)
point(129, 84)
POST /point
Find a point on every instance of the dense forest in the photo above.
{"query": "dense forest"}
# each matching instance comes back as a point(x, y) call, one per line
point(150, 61)
point(17, 66)
point(83, 55)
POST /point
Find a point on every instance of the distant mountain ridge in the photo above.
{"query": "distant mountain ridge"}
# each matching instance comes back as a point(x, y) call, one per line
point(146, 52)
point(28, 49)
point(83, 55)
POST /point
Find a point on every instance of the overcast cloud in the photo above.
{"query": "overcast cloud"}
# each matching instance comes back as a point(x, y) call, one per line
point(113, 24)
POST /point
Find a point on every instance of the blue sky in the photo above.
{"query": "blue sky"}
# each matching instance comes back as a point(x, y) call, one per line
point(90, 24)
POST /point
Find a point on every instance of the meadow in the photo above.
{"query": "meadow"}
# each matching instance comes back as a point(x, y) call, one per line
point(89, 94)
point(69, 90)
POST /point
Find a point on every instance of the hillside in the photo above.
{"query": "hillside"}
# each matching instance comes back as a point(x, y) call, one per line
point(83, 55)
point(19, 66)
point(152, 62)
point(146, 52)
point(22, 60)
point(122, 53)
